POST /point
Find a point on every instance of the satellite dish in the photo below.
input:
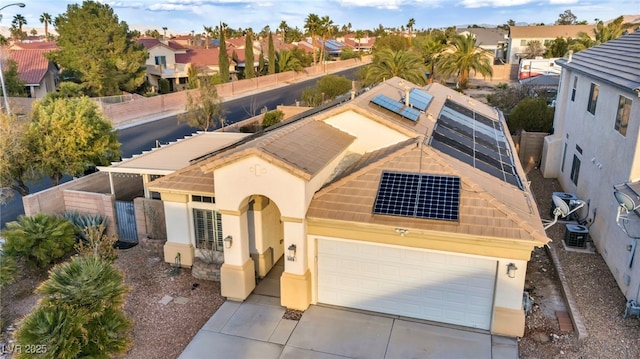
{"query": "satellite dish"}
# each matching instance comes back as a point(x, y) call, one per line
point(562, 208)
point(625, 201)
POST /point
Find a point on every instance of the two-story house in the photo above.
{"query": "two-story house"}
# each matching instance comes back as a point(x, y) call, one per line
point(595, 148)
point(490, 39)
point(521, 36)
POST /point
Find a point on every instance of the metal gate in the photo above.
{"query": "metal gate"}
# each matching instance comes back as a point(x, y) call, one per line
point(126, 216)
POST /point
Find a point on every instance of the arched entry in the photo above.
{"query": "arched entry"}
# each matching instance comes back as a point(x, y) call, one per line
point(266, 233)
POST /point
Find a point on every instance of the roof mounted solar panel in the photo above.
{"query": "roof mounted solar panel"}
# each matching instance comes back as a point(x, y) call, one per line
point(396, 107)
point(418, 195)
point(419, 99)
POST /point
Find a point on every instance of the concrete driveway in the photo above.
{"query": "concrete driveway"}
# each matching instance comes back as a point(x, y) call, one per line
point(255, 329)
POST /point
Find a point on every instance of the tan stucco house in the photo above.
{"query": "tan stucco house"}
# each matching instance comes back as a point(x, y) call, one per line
point(406, 200)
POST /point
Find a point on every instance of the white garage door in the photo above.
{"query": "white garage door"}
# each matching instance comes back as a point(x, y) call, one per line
point(407, 282)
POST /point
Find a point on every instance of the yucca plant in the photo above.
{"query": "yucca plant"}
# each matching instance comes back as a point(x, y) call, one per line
point(84, 221)
point(40, 239)
point(80, 313)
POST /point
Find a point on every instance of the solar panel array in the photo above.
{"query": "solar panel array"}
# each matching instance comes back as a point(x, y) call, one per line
point(418, 195)
point(333, 45)
point(476, 140)
point(419, 99)
point(396, 107)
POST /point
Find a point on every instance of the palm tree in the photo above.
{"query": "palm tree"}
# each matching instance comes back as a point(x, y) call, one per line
point(164, 32)
point(431, 47)
point(208, 33)
point(18, 21)
point(388, 63)
point(359, 35)
point(312, 24)
point(326, 28)
point(45, 18)
point(410, 25)
point(283, 30)
point(288, 62)
point(462, 56)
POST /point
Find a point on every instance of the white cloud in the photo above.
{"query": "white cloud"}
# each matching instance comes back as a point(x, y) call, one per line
point(561, 2)
point(493, 3)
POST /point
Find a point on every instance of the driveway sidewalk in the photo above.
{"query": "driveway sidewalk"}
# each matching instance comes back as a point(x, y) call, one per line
point(255, 329)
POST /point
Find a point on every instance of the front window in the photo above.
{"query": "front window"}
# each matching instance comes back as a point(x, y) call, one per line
point(622, 118)
point(593, 98)
point(575, 170)
point(208, 229)
point(573, 90)
point(161, 60)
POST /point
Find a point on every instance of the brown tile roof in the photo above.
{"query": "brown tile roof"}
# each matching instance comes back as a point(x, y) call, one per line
point(303, 148)
point(41, 45)
point(151, 42)
point(32, 65)
point(189, 180)
point(550, 32)
point(487, 209)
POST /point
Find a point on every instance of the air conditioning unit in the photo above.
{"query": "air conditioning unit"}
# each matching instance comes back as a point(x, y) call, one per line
point(576, 236)
point(567, 197)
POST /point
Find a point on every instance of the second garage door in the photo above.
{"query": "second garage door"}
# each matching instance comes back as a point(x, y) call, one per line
point(408, 282)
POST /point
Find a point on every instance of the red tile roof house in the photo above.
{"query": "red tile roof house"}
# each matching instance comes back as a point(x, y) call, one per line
point(170, 60)
point(38, 73)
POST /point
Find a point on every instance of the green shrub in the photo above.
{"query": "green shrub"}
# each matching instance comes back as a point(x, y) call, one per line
point(333, 86)
point(531, 114)
point(311, 97)
point(8, 269)
point(272, 117)
point(96, 243)
point(40, 239)
point(81, 312)
point(163, 86)
point(84, 221)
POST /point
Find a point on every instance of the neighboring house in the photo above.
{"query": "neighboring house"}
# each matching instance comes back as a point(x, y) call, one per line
point(520, 36)
point(595, 147)
point(363, 44)
point(406, 200)
point(38, 73)
point(490, 39)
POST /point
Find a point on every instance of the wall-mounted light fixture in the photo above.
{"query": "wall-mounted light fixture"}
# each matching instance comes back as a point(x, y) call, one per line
point(228, 241)
point(291, 256)
point(511, 270)
point(402, 231)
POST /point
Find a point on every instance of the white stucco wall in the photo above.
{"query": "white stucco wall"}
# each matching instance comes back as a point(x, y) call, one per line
point(607, 159)
point(178, 219)
point(370, 135)
point(161, 51)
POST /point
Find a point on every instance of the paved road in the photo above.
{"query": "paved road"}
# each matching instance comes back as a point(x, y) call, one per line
point(143, 137)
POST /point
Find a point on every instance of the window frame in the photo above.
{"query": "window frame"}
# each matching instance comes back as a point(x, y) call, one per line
point(574, 89)
point(575, 169)
point(593, 98)
point(160, 60)
point(209, 231)
point(622, 115)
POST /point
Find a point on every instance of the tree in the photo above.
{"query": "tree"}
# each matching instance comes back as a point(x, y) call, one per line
point(388, 63)
point(325, 29)
point(223, 56)
point(80, 313)
point(410, 25)
point(192, 77)
point(531, 114)
point(40, 239)
point(164, 32)
point(566, 18)
point(45, 18)
point(534, 49)
point(333, 85)
point(359, 35)
point(348, 53)
point(209, 33)
point(283, 27)
point(249, 69)
point(272, 56)
point(431, 46)
point(461, 57)
point(16, 164)
point(262, 65)
point(311, 97)
point(14, 86)
point(312, 24)
point(67, 135)
point(557, 48)
point(288, 62)
point(204, 110)
point(94, 43)
point(18, 21)
point(272, 117)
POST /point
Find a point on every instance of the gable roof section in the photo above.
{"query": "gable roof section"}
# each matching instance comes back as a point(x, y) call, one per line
point(40, 45)
point(32, 65)
point(616, 62)
point(199, 57)
point(487, 209)
point(303, 148)
point(550, 32)
point(486, 36)
point(151, 42)
point(188, 180)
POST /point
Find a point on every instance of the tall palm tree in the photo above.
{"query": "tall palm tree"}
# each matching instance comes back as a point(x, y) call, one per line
point(164, 32)
point(18, 21)
point(283, 29)
point(326, 28)
point(431, 46)
point(312, 24)
point(359, 35)
point(45, 18)
point(462, 56)
point(209, 33)
point(388, 63)
point(410, 25)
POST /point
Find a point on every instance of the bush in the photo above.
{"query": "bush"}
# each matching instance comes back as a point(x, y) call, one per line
point(272, 117)
point(84, 221)
point(348, 53)
point(531, 114)
point(80, 313)
point(40, 239)
point(333, 86)
point(163, 86)
point(8, 269)
point(96, 243)
point(311, 97)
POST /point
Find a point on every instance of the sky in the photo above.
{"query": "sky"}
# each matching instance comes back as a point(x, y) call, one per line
point(184, 16)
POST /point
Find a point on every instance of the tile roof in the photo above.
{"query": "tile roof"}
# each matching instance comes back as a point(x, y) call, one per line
point(189, 180)
point(487, 208)
point(32, 65)
point(151, 42)
point(550, 32)
point(41, 45)
point(486, 36)
point(616, 62)
point(303, 148)
point(199, 57)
